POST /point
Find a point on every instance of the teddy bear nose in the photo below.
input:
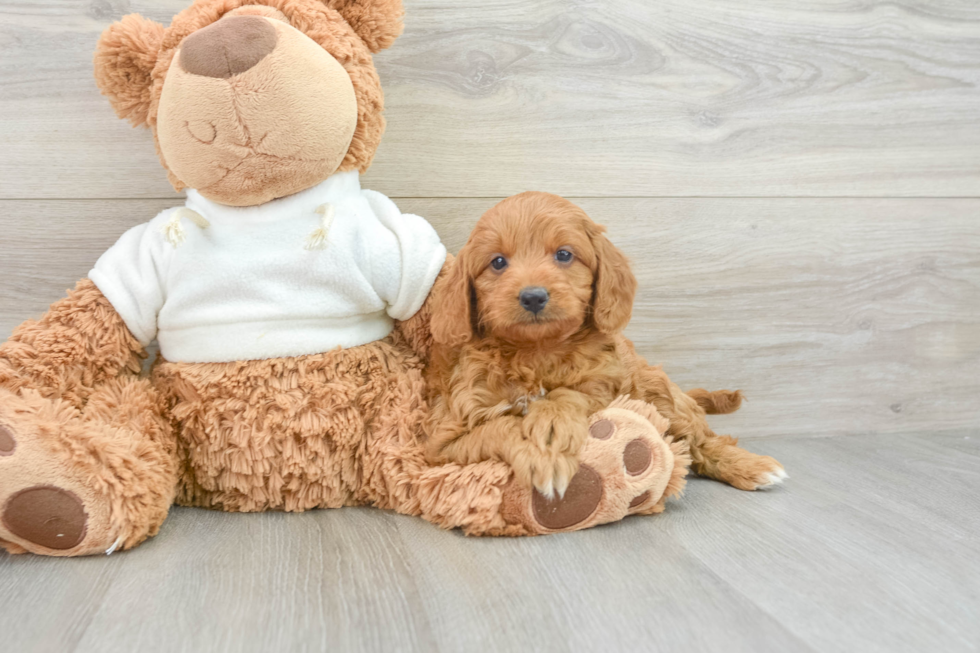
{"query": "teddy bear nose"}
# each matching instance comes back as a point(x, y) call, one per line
point(228, 47)
point(534, 299)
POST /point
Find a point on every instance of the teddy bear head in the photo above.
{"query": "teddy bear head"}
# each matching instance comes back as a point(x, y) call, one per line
point(251, 100)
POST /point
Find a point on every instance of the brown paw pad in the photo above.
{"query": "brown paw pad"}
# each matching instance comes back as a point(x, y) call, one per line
point(602, 430)
point(7, 441)
point(581, 500)
point(47, 516)
point(637, 457)
point(640, 499)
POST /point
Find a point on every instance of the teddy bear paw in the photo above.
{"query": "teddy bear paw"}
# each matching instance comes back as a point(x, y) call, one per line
point(626, 467)
point(43, 509)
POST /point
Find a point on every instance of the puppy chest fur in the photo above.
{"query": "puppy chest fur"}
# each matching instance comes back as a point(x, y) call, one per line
point(509, 380)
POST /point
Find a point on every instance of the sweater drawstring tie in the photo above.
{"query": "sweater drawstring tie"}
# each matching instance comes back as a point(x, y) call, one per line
point(173, 230)
point(318, 239)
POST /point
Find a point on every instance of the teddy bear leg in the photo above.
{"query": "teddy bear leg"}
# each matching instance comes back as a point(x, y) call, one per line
point(470, 497)
point(84, 481)
point(627, 467)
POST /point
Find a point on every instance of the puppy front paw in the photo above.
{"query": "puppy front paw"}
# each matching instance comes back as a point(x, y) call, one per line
point(552, 439)
point(547, 472)
point(552, 427)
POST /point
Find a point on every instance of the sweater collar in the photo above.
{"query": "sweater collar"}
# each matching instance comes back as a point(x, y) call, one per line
point(331, 190)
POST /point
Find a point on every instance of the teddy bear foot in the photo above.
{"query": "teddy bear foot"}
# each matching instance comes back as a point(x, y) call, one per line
point(43, 509)
point(47, 517)
point(627, 467)
point(86, 482)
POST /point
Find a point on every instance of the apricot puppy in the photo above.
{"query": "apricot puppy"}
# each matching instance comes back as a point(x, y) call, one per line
point(528, 344)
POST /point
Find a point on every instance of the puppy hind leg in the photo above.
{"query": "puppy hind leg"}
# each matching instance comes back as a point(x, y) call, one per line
point(719, 457)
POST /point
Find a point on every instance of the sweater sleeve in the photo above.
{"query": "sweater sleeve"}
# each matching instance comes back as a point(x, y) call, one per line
point(131, 274)
point(409, 258)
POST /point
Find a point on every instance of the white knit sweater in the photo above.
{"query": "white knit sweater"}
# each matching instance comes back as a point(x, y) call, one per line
point(262, 282)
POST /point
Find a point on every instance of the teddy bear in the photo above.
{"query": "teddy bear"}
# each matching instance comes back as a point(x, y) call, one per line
point(289, 304)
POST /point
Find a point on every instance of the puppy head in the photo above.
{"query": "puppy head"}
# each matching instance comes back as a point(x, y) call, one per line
point(536, 268)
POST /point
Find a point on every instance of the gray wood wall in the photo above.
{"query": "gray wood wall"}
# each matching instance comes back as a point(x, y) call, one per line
point(796, 182)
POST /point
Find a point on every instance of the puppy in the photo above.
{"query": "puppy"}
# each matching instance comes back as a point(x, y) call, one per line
point(527, 329)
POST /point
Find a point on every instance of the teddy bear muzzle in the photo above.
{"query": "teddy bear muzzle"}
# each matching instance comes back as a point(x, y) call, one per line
point(252, 109)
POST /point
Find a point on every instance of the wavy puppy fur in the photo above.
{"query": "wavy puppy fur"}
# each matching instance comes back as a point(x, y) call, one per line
point(528, 331)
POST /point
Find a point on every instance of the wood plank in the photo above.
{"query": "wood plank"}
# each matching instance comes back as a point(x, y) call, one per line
point(47, 604)
point(817, 555)
point(633, 98)
point(635, 588)
point(835, 316)
point(842, 557)
point(871, 545)
point(319, 581)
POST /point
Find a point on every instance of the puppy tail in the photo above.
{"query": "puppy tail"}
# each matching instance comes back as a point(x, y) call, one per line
point(718, 402)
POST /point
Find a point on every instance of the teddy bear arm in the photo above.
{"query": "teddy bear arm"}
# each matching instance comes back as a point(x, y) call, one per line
point(416, 330)
point(78, 344)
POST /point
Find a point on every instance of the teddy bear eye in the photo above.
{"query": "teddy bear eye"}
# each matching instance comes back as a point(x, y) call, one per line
point(563, 256)
point(499, 263)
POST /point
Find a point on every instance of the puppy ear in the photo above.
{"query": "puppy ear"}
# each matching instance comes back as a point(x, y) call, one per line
point(452, 305)
point(614, 287)
point(377, 22)
point(124, 60)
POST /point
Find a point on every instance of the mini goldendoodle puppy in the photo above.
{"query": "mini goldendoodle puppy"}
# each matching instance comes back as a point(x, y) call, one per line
point(528, 331)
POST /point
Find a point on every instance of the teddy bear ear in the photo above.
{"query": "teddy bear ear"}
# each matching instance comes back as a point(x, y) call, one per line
point(124, 60)
point(377, 22)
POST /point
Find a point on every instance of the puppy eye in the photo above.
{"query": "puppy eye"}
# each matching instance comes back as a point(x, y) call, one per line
point(498, 263)
point(563, 256)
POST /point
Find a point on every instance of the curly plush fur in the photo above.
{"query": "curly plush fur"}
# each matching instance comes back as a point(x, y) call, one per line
point(511, 384)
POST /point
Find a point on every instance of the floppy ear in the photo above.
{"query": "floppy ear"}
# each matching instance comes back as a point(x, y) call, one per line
point(614, 287)
point(377, 22)
point(124, 60)
point(452, 305)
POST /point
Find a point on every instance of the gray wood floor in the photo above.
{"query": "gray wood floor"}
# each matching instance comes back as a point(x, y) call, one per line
point(798, 186)
point(872, 546)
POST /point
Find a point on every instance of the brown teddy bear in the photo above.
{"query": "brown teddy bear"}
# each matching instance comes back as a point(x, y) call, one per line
point(289, 305)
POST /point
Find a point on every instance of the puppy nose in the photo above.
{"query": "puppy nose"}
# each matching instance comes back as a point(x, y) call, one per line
point(228, 47)
point(534, 299)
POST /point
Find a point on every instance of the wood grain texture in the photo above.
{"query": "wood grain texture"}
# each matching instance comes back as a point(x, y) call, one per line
point(583, 98)
point(870, 546)
point(834, 316)
point(719, 141)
